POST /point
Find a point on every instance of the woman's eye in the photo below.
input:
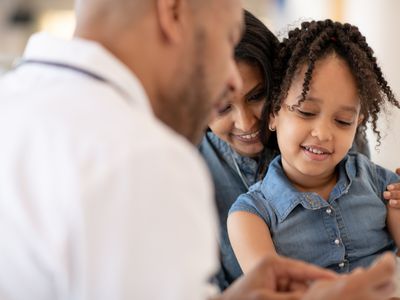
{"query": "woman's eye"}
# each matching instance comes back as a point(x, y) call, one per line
point(257, 96)
point(224, 110)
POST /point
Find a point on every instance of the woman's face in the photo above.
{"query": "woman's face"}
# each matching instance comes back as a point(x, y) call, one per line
point(238, 123)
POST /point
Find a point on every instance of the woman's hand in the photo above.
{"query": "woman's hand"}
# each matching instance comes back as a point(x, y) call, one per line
point(393, 193)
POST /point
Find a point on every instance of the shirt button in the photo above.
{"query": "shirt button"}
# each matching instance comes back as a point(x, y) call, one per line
point(337, 241)
point(328, 211)
point(341, 265)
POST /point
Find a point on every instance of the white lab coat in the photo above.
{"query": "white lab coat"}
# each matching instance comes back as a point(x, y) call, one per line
point(98, 199)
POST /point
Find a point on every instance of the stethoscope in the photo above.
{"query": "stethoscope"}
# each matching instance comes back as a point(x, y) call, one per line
point(239, 172)
point(82, 71)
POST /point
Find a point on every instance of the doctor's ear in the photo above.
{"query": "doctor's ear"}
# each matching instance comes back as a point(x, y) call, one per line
point(171, 16)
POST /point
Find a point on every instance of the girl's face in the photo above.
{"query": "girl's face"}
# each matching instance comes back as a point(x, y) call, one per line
point(238, 123)
point(315, 136)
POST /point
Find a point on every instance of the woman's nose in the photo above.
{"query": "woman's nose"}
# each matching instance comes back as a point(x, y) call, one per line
point(245, 120)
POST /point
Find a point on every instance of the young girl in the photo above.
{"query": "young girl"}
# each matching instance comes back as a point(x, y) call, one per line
point(318, 202)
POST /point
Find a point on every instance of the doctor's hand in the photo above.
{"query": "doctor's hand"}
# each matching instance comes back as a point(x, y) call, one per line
point(276, 278)
point(375, 283)
point(393, 193)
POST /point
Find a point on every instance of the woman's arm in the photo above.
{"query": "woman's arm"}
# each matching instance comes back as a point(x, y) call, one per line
point(393, 193)
point(390, 181)
point(393, 223)
point(250, 239)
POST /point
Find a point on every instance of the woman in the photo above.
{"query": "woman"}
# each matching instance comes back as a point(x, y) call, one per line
point(232, 147)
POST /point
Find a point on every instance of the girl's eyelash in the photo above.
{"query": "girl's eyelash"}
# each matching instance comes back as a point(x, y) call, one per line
point(344, 123)
point(309, 114)
point(305, 113)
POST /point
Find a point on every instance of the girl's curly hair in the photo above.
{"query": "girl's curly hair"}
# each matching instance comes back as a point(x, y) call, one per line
point(317, 39)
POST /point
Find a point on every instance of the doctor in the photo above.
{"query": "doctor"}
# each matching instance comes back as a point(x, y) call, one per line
point(101, 194)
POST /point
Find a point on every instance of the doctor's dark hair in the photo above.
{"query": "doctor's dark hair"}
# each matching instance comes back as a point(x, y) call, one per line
point(259, 47)
point(316, 40)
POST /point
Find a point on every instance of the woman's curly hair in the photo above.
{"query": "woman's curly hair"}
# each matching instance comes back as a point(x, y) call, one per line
point(314, 41)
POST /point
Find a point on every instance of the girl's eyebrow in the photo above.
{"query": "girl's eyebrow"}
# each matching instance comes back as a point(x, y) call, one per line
point(309, 98)
point(351, 109)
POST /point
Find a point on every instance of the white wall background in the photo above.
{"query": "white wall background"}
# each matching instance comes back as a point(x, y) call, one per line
point(379, 21)
point(13, 36)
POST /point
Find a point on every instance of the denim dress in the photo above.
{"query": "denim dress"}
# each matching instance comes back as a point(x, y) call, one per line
point(228, 186)
point(345, 232)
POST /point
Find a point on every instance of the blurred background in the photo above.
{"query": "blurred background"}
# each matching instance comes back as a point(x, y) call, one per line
point(378, 20)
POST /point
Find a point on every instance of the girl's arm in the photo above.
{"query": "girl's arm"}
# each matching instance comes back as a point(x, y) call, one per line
point(250, 239)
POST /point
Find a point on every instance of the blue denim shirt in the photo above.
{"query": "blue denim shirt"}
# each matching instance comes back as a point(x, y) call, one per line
point(347, 231)
point(228, 186)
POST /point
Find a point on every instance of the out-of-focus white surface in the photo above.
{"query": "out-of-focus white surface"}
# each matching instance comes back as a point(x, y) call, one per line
point(379, 20)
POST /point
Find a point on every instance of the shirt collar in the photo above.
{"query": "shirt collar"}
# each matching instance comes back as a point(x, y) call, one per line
point(90, 56)
point(347, 172)
point(284, 197)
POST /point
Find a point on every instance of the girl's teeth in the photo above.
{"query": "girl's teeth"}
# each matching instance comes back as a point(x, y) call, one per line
point(251, 136)
point(316, 151)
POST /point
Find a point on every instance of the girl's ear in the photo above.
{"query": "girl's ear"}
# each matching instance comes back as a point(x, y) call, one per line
point(272, 122)
point(360, 119)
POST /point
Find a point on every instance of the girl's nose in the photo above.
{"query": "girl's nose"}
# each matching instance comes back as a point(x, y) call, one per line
point(322, 131)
